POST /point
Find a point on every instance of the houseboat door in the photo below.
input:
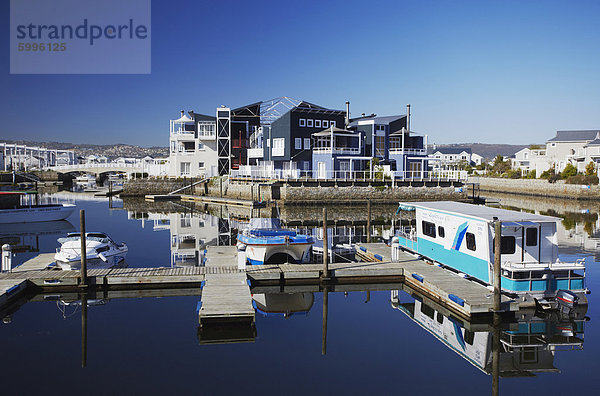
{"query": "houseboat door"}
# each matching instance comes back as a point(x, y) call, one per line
point(512, 242)
point(531, 237)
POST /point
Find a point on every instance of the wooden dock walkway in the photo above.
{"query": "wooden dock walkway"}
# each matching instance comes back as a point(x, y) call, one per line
point(226, 295)
point(226, 292)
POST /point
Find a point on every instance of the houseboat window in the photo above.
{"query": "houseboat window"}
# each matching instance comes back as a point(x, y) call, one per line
point(427, 310)
point(537, 274)
point(531, 237)
point(469, 337)
point(470, 241)
point(441, 231)
point(440, 318)
point(521, 275)
point(428, 229)
point(507, 245)
point(560, 274)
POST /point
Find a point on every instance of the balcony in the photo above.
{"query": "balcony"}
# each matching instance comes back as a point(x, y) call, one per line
point(407, 151)
point(337, 150)
point(255, 153)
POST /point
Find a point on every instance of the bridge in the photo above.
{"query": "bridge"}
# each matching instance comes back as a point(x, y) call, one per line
point(100, 168)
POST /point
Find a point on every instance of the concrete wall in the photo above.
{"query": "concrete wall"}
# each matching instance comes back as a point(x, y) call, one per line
point(141, 187)
point(537, 187)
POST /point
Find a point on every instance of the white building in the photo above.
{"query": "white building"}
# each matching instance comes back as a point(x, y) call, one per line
point(453, 156)
point(193, 146)
point(22, 157)
point(477, 159)
point(576, 147)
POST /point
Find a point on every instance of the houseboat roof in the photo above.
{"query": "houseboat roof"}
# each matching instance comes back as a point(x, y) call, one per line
point(480, 212)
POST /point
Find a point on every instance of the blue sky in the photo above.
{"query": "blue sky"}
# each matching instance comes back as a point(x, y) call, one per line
point(473, 71)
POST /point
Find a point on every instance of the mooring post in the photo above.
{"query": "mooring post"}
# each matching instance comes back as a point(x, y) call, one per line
point(325, 246)
point(497, 263)
point(83, 271)
point(6, 257)
point(368, 221)
point(84, 323)
point(325, 309)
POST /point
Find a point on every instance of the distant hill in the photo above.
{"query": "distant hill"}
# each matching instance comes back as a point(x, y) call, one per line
point(112, 151)
point(488, 150)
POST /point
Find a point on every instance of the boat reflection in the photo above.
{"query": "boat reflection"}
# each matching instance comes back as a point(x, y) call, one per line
point(527, 346)
point(283, 304)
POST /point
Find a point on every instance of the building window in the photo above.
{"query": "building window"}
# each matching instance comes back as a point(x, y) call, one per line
point(298, 143)
point(318, 123)
point(201, 165)
point(306, 143)
point(428, 228)
point(332, 124)
point(173, 147)
point(380, 146)
point(278, 149)
point(470, 241)
point(380, 127)
point(531, 237)
point(325, 124)
point(185, 168)
point(302, 122)
point(200, 146)
point(309, 123)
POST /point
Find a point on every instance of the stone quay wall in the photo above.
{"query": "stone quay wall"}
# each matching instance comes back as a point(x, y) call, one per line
point(536, 187)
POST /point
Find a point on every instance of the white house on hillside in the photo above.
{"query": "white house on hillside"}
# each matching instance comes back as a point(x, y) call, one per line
point(576, 147)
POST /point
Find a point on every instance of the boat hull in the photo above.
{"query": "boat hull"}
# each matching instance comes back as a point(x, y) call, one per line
point(38, 213)
point(258, 254)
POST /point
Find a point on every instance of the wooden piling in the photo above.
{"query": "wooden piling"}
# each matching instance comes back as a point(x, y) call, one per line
point(325, 246)
point(369, 221)
point(83, 271)
point(497, 263)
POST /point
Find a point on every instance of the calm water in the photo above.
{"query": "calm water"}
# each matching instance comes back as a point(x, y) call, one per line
point(374, 341)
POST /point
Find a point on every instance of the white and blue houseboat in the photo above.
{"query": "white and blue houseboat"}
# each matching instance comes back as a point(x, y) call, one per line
point(264, 241)
point(461, 236)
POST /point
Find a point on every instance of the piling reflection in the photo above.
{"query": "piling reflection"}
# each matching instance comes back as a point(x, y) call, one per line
point(525, 346)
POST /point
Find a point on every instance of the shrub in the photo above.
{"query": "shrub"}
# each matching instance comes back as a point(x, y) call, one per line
point(553, 178)
point(547, 174)
point(581, 179)
point(513, 174)
point(569, 171)
point(590, 169)
point(530, 174)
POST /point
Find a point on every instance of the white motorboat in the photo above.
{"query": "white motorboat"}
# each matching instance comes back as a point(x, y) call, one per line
point(101, 251)
point(264, 241)
point(11, 211)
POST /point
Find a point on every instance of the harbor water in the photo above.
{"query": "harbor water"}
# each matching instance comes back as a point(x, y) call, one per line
point(384, 341)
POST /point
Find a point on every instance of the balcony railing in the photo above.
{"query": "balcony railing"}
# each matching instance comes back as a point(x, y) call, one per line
point(182, 132)
point(336, 150)
point(255, 153)
point(407, 151)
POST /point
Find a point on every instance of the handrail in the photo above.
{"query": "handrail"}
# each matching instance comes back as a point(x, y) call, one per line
point(191, 185)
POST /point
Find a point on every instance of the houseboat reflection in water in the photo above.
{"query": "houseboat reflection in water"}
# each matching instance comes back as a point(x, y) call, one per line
point(527, 346)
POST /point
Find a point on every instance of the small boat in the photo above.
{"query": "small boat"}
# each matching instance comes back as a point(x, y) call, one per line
point(264, 241)
point(11, 211)
point(460, 237)
point(85, 178)
point(101, 251)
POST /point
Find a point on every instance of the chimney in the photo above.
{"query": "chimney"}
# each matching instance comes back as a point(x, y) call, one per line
point(408, 118)
point(363, 114)
point(347, 114)
point(182, 113)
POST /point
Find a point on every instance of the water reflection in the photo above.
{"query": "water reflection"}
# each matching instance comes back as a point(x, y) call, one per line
point(527, 346)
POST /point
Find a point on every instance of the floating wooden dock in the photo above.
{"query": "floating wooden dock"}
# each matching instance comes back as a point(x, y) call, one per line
point(226, 294)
